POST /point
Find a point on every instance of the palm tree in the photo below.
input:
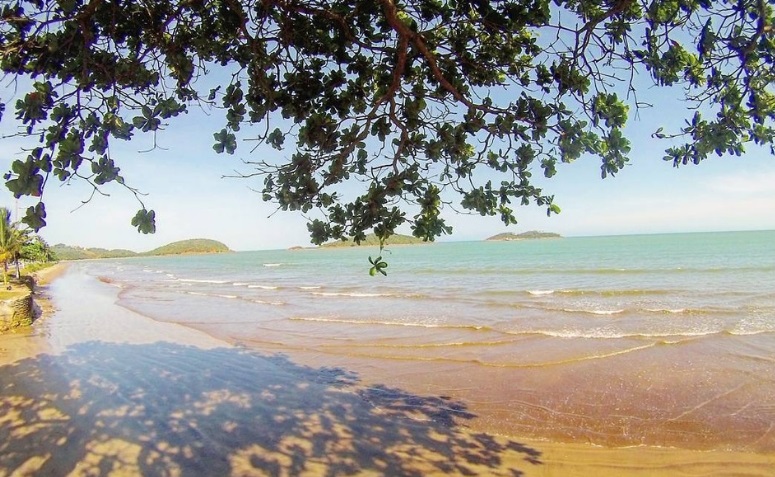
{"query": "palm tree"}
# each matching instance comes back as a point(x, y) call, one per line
point(21, 237)
point(11, 241)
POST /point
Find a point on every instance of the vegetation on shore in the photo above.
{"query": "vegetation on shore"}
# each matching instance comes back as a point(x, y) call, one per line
point(18, 244)
point(182, 247)
point(33, 267)
point(530, 235)
point(67, 252)
point(372, 240)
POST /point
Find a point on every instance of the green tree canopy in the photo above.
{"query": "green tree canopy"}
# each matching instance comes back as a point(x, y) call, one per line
point(12, 241)
point(36, 249)
point(410, 99)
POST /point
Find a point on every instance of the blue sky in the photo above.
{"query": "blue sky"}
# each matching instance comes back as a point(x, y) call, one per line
point(185, 186)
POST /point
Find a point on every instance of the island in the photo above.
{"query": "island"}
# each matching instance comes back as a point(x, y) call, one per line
point(371, 240)
point(190, 247)
point(530, 235)
point(182, 247)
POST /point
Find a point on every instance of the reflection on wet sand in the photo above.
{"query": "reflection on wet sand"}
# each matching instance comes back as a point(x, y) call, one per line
point(167, 409)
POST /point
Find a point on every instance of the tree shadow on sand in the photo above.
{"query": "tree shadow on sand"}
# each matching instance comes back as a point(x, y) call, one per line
point(165, 409)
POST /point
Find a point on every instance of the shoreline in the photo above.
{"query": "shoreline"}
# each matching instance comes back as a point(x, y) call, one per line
point(25, 342)
point(45, 276)
point(41, 280)
point(138, 364)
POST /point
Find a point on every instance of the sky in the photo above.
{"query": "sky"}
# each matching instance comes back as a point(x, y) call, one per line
point(185, 185)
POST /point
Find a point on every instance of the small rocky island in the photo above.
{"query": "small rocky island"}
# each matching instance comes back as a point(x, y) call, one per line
point(372, 241)
point(530, 235)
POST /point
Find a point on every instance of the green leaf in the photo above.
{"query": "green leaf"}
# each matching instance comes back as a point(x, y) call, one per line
point(225, 141)
point(26, 179)
point(35, 217)
point(378, 265)
point(145, 221)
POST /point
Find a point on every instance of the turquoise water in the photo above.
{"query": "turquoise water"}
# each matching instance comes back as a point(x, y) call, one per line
point(682, 284)
point(539, 331)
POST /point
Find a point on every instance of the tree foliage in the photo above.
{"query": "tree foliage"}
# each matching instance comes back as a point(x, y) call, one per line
point(36, 249)
point(412, 99)
point(8, 245)
point(12, 241)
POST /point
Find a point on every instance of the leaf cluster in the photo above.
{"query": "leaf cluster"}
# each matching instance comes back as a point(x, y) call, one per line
point(424, 104)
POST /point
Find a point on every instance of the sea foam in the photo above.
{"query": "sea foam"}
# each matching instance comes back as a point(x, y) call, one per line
point(540, 292)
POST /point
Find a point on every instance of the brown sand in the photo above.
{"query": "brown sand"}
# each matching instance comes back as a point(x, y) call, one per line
point(96, 389)
point(47, 275)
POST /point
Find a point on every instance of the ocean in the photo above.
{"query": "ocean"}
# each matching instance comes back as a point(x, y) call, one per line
point(661, 340)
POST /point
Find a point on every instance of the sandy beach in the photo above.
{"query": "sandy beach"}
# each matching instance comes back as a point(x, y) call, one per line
point(96, 389)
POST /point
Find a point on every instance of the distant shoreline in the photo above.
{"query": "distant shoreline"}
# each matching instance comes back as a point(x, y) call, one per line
point(182, 247)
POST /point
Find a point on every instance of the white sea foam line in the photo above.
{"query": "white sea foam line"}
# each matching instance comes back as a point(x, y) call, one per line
point(239, 284)
point(385, 323)
point(708, 401)
point(263, 287)
point(213, 295)
point(600, 334)
point(540, 292)
point(567, 361)
point(418, 345)
point(262, 302)
point(666, 310)
point(194, 280)
point(356, 295)
point(272, 264)
point(599, 356)
point(309, 288)
point(515, 365)
point(594, 312)
point(739, 332)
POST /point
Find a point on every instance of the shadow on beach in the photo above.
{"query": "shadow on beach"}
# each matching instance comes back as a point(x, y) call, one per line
point(167, 409)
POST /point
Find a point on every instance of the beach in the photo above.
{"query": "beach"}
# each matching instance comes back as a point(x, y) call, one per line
point(95, 388)
point(290, 363)
point(133, 396)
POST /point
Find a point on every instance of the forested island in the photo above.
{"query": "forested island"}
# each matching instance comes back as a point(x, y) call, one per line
point(530, 235)
point(182, 247)
point(371, 240)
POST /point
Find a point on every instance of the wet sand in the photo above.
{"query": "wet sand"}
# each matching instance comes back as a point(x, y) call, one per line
point(95, 389)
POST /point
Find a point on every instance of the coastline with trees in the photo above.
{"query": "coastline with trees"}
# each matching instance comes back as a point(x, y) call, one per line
point(27, 253)
point(366, 118)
